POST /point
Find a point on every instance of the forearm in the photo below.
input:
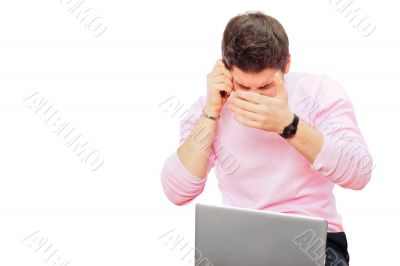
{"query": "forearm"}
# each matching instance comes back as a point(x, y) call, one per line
point(307, 140)
point(194, 151)
point(340, 159)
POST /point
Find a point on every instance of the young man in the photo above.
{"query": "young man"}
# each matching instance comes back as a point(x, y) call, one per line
point(279, 141)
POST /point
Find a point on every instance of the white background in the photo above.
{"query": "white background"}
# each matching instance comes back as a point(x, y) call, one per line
point(110, 88)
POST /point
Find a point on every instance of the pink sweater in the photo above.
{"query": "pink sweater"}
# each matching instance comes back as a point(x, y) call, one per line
point(261, 170)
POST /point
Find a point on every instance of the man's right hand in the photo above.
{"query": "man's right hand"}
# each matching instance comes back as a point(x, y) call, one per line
point(219, 79)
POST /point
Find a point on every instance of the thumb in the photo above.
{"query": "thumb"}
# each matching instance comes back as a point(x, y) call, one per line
point(281, 92)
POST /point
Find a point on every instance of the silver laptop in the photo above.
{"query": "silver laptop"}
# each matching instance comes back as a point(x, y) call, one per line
point(230, 236)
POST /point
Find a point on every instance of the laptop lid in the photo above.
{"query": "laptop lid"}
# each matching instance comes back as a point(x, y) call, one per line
point(231, 236)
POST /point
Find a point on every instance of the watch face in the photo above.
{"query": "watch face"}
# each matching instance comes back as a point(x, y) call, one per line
point(291, 129)
point(286, 133)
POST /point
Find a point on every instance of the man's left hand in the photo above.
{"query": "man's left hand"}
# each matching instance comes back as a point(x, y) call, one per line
point(261, 111)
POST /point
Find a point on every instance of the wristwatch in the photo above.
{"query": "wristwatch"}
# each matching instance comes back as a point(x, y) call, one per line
point(290, 130)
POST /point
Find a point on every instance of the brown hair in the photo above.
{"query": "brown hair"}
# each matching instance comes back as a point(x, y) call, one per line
point(254, 41)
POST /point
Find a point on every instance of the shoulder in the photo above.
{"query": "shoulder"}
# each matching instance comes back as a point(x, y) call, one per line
point(303, 77)
point(317, 86)
point(312, 93)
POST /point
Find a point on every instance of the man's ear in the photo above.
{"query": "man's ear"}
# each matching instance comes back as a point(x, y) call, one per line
point(287, 67)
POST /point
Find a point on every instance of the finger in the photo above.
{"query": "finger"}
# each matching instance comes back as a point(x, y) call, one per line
point(222, 79)
point(246, 122)
point(245, 113)
point(216, 66)
point(251, 96)
point(218, 63)
point(223, 71)
point(278, 77)
point(220, 68)
point(224, 89)
point(229, 90)
point(243, 104)
point(221, 62)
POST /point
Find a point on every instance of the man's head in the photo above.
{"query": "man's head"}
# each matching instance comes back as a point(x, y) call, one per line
point(254, 47)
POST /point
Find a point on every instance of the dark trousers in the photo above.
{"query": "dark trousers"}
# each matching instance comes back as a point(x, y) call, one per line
point(336, 250)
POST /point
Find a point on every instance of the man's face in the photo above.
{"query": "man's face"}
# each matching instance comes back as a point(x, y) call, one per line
point(262, 82)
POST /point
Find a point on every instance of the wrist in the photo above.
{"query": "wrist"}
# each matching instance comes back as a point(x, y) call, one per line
point(285, 121)
point(210, 110)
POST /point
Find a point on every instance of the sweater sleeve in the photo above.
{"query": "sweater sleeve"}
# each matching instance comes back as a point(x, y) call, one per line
point(344, 157)
point(179, 184)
